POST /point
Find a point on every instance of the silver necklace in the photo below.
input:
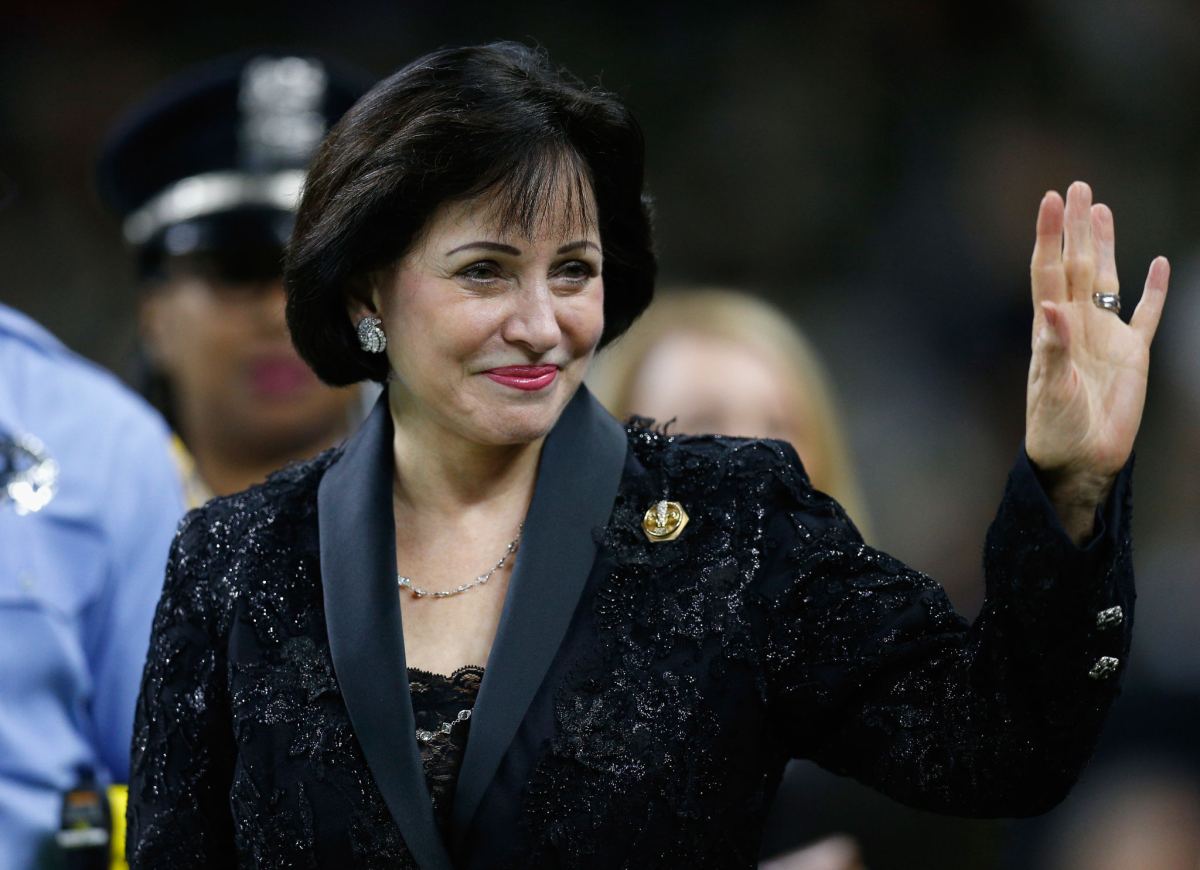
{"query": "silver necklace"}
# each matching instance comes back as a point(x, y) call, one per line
point(406, 583)
point(444, 729)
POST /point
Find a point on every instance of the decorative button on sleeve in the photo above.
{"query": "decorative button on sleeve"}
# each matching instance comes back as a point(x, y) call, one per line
point(1104, 668)
point(1111, 618)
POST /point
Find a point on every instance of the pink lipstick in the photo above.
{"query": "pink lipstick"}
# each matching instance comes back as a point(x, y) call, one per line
point(529, 378)
point(280, 377)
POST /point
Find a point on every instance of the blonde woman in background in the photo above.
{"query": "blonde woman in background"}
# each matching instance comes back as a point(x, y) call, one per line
point(726, 362)
point(722, 361)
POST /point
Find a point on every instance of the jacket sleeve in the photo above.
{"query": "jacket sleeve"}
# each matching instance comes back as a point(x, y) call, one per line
point(183, 748)
point(872, 674)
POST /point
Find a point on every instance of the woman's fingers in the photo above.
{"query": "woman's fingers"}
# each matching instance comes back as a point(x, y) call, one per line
point(1051, 371)
point(1075, 256)
point(1049, 280)
point(1056, 334)
point(1079, 253)
point(1105, 240)
point(1149, 309)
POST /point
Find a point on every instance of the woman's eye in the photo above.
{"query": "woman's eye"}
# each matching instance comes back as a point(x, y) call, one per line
point(481, 272)
point(576, 270)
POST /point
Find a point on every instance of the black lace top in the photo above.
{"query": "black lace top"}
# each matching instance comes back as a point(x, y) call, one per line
point(438, 703)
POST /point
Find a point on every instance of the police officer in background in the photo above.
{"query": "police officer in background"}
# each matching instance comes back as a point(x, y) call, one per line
point(204, 175)
point(89, 501)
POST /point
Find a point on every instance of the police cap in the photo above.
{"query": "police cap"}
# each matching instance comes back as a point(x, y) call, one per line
point(215, 158)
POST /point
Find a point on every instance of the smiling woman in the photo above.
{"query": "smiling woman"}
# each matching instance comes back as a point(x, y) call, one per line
point(349, 666)
point(529, 148)
point(491, 327)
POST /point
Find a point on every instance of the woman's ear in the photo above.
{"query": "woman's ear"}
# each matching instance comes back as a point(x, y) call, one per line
point(362, 294)
point(156, 319)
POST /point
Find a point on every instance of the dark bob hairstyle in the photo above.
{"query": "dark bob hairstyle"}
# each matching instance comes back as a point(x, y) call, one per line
point(494, 122)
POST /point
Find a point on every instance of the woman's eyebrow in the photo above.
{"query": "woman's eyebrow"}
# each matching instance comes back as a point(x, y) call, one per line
point(582, 243)
point(487, 246)
point(509, 249)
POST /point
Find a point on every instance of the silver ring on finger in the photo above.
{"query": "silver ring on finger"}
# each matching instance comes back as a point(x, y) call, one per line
point(1108, 301)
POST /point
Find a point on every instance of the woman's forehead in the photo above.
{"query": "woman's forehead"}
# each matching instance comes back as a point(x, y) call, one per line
point(565, 214)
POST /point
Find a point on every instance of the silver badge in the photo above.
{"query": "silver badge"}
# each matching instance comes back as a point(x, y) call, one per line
point(280, 101)
point(28, 476)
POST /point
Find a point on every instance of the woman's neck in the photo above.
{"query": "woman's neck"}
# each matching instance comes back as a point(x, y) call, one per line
point(230, 459)
point(441, 474)
point(227, 471)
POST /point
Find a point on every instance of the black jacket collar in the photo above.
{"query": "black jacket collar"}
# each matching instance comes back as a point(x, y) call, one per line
point(580, 469)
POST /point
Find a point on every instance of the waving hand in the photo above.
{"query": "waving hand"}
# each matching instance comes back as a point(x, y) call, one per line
point(1087, 375)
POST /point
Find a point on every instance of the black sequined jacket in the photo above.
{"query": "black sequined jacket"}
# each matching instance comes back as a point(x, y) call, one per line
point(641, 699)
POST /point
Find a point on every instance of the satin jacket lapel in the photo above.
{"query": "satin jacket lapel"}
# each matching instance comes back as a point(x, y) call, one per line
point(362, 614)
point(581, 466)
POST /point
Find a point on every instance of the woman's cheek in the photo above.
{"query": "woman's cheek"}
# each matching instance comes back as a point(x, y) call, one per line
point(589, 320)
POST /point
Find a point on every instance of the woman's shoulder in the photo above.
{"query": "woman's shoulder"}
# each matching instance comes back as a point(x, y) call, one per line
point(266, 516)
point(291, 489)
point(760, 475)
point(221, 545)
point(714, 462)
point(655, 445)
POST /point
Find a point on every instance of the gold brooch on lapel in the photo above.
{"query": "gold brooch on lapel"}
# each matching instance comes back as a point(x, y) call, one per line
point(664, 521)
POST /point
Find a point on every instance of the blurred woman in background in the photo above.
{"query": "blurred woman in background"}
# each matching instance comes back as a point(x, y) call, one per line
point(205, 174)
point(220, 365)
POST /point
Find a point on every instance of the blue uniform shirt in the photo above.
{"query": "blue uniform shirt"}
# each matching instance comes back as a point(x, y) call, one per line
point(80, 576)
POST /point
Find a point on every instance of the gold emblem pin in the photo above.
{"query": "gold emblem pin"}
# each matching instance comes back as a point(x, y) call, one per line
point(664, 521)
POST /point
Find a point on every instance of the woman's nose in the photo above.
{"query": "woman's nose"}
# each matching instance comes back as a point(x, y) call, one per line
point(534, 321)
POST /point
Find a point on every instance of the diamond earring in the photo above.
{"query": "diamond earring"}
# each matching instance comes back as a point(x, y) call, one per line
point(371, 337)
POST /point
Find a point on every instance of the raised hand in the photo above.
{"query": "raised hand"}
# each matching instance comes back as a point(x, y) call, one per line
point(1087, 376)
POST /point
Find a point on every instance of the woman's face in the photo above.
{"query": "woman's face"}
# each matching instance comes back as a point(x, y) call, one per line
point(490, 330)
point(715, 385)
point(237, 382)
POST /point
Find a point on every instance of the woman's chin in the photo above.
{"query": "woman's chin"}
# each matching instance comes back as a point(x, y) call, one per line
point(512, 429)
point(518, 425)
point(511, 416)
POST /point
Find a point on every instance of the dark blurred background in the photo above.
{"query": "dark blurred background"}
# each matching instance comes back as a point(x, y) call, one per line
point(872, 167)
